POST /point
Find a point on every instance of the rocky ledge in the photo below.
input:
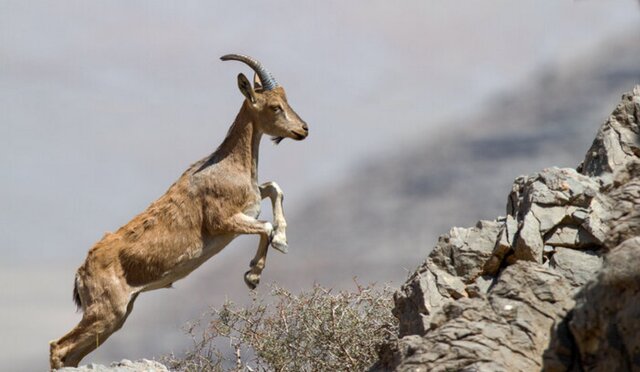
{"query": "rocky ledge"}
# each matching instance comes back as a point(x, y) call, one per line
point(554, 285)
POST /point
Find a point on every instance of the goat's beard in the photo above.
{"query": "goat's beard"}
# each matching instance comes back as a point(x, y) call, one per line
point(277, 140)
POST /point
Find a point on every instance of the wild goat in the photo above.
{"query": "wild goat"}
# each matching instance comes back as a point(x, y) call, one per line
point(215, 200)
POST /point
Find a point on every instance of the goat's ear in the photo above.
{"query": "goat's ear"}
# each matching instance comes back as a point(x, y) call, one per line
point(257, 84)
point(245, 88)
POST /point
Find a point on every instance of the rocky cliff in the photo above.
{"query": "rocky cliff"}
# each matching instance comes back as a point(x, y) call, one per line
point(554, 285)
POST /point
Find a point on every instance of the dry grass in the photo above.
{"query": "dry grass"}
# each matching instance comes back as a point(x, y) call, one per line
point(316, 330)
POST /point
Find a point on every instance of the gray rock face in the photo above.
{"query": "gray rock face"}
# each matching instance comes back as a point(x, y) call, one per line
point(498, 332)
point(617, 141)
point(623, 199)
point(564, 259)
point(125, 365)
point(551, 208)
point(601, 331)
point(498, 296)
point(455, 262)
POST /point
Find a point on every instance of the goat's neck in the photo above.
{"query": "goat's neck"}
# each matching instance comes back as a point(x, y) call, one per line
point(242, 144)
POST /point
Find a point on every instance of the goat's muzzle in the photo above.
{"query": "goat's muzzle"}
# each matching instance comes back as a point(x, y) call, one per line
point(300, 135)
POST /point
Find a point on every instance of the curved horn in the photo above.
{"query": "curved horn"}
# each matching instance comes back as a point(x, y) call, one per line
point(268, 82)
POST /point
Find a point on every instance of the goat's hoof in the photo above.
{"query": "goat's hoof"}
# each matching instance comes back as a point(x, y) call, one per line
point(55, 362)
point(251, 280)
point(279, 242)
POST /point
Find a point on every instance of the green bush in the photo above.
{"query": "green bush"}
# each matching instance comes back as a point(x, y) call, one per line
point(316, 330)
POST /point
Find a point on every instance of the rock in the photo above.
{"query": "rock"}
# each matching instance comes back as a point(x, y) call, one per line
point(571, 237)
point(617, 140)
point(623, 200)
point(554, 285)
point(604, 322)
point(601, 332)
point(125, 365)
point(457, 260)
point(480, 286)
point(552, 207)
point(551, 216)
point(415, 300)
point(506, 240)
point(460, 251)
point(554, 187)
point(594, 222)
point(529, 243)
point(576, 266)
point(501, 332)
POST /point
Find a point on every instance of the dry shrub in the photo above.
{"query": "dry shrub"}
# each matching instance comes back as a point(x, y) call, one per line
point(316, 330)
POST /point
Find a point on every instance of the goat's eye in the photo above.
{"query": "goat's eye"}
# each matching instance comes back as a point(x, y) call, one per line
point(276, 109)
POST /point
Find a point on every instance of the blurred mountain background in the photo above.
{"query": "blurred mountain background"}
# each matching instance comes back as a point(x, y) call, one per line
point(421, 115)
point(396, 205)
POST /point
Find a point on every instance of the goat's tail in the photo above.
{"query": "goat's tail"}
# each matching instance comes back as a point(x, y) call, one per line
point(76, 294)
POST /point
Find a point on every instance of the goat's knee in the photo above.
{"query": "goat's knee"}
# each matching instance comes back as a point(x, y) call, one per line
point(279, 241)
point(271, 190)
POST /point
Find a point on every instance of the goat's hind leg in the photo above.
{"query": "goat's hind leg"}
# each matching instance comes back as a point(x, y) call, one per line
point(100, 320)
point(272, 191)
point(59, 349)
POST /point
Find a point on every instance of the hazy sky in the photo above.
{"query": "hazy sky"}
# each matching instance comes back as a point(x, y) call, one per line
point(104, 104)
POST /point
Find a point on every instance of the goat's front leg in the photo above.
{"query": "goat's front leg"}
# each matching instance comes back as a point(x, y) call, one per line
point(252, 277)
point(243, 224)
point(272, 191)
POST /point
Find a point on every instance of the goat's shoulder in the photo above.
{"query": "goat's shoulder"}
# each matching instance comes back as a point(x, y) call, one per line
point(219, 182)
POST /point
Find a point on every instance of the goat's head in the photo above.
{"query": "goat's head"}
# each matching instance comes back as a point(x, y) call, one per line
point(267, 103)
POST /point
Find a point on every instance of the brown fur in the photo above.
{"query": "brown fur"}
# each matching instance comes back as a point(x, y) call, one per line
point(215, 200)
